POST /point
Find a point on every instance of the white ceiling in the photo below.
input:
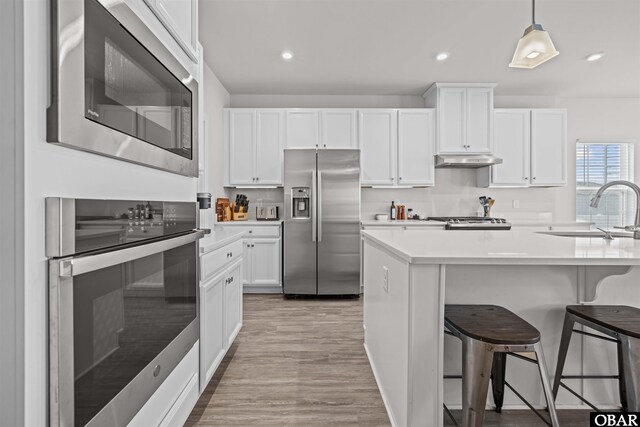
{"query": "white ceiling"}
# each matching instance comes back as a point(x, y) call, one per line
point(387, 47)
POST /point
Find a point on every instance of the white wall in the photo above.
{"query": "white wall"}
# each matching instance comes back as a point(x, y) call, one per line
point(216, 99)
point(456, 192)
point(57, 171)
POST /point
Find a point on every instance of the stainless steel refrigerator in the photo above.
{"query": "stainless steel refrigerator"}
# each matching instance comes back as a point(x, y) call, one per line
point(322, 222)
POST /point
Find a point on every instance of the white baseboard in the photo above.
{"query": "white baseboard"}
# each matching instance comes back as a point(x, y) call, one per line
point(262, 289)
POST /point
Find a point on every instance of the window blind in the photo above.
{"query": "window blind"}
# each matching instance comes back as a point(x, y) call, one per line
point(598, 163)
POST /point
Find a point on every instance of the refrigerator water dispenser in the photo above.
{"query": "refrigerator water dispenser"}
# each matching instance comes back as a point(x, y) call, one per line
point(300, 205)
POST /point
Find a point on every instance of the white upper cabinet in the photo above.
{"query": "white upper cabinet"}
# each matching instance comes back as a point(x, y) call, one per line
point(303, 128)
point(254, 144)
point(451, 124)
point(548, 147)
point(532, 145)
point(241, 146)
point(338, 128)
point(511, 143)
point(464, 117)
point(180, 18)
point(479, 127)
point(416, 143)
point(269, 147)
point(378, 145)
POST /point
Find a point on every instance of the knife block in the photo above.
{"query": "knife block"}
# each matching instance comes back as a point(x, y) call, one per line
point(240, 216)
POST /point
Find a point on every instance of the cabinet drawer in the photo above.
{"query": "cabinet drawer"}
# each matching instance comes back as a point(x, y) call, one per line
point(259, 231)
point(213, 261)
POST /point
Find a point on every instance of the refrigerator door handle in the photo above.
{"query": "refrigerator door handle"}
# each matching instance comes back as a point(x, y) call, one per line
point(314, 206)
point(319, 207)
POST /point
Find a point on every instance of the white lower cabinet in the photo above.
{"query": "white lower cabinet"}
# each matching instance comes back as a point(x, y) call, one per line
point(262, 256)
point(263, 262)
point(220, 306)
point(233, 303)
point(213, 339)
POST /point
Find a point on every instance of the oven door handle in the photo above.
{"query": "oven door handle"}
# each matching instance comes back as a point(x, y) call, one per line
point(76, 266)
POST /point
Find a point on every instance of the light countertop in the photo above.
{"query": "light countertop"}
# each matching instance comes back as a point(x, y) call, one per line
point(504, 247)
point(251, 223)
point(403, 223)
point(218, 238)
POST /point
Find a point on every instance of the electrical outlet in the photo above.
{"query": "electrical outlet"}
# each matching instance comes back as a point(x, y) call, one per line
point(516, 204)
point(385, 279)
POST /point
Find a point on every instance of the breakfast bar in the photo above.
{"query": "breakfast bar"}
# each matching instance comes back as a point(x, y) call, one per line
point(409, 275)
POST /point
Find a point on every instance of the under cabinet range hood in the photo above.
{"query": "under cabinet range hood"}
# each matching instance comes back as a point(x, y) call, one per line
point(466, 160)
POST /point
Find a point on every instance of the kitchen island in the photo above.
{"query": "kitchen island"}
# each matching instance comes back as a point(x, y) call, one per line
point(408, 276)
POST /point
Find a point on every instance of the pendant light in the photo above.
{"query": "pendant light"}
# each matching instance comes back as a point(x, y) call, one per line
point(535, 46)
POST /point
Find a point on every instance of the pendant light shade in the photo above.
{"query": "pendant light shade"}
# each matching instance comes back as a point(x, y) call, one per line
point(535, 47)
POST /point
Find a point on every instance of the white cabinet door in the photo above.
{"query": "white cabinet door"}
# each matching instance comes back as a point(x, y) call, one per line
point(233, 302)
point(452, 120)
point(247, 264)
point(511, 143)
point(479, 120)
point(266, 261)
point(241, 135)
point(212, 334)
point(303, 128)
point(378, 143)
point(338, 128)
point(180, 18)
point(548, 147)
point(269, 145)
point(416, 146)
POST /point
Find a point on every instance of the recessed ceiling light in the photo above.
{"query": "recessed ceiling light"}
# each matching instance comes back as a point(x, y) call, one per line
point(442, 56)
point(595, 57)
point(287, 55)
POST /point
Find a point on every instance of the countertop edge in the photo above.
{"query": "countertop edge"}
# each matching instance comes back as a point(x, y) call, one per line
point(210, 243)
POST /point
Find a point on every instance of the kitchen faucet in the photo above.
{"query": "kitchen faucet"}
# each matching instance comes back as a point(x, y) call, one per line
point(636, 226)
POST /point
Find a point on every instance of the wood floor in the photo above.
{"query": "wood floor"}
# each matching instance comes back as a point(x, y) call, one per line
point(302, 362)
point(295, 362)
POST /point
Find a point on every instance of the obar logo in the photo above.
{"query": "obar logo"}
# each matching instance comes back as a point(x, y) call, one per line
point(618, 419)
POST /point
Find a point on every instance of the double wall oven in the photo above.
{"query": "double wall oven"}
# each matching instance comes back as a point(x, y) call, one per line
point(116, 90)
point(123, 282)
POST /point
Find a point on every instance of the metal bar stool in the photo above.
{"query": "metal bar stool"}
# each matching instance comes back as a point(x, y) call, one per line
point(619, 324)
point(489, 333)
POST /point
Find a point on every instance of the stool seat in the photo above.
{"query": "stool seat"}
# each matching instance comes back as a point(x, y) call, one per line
point(491, 324)
point(622, 319)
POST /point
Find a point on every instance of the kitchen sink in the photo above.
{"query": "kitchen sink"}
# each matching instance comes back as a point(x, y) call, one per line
point(587, 233)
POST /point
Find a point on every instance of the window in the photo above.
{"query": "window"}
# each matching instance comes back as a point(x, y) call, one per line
point(598, 163)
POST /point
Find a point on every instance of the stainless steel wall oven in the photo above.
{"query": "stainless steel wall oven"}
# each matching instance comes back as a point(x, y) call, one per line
point(117, 90)
point(123, 281)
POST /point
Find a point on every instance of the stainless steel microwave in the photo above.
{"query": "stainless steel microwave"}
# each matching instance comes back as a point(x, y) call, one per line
point(117, 90)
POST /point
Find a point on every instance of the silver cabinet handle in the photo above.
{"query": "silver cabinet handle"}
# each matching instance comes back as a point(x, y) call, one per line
point(314, 207)
point(533, 177)
point(76, 266)
point(252, 245)
point(319, 206)
point(258, 179)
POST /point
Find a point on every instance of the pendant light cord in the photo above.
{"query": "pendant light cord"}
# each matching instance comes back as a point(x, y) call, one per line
point(533, 12)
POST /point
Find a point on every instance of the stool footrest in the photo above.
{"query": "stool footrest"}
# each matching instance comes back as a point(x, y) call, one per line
point(590, 377)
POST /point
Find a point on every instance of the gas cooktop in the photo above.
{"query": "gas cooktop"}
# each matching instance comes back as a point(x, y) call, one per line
point(472, 223)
